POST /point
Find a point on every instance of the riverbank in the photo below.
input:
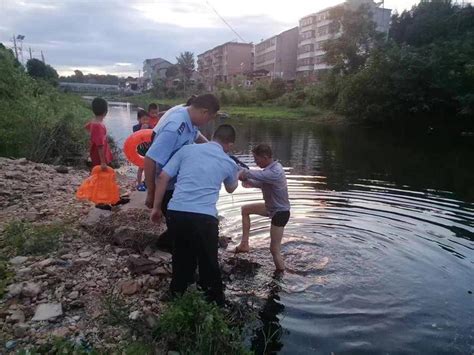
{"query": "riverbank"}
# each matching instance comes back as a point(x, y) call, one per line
point(87, 279)
point(266, 111)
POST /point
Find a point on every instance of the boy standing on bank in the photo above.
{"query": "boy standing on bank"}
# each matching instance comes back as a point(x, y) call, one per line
point(192, 214)
point(99, 148)
point(272, 181)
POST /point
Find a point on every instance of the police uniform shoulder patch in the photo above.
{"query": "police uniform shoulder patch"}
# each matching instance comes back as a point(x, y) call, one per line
point(181, 128)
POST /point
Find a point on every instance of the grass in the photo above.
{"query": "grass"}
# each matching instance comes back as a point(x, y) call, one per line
point(190, 325)
point(263, 111)
point(23, 238)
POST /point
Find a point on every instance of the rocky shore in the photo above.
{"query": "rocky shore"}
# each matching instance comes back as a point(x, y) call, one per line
point(102, 262)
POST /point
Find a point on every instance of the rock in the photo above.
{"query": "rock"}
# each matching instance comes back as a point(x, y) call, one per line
point(94, 216)
point(67, 256)
point(77, 318)
point(163, 256)
point(10, 344)
point(140, 265)
point(160, 271)
point(26, 289)
point(85, 254)
point(44, 263)
point(20, 330)
point(30, 289)
point(17, 316)
point(129, 287)
point(22, 161)
point(134, 315)
point(18, 260)
point(74, 295)
point(24, 271)
point(224, 242)
point(61, 332)
point(121, 251)
point(62, 169)
point(48, 311)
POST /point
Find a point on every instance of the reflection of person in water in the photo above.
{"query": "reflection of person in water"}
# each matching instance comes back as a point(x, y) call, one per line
point(267, 339)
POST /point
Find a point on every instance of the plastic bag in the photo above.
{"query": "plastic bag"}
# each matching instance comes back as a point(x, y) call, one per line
point(100, 188)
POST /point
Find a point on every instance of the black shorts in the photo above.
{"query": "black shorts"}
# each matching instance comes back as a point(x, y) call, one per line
point(280, 219)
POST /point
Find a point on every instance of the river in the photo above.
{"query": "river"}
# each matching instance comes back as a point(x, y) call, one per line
point(380, 240)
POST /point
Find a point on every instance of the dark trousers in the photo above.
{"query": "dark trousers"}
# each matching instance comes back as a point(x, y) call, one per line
point(195, 238)
point(164, 241)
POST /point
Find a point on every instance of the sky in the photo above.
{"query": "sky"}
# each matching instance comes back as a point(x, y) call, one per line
point(116, 36)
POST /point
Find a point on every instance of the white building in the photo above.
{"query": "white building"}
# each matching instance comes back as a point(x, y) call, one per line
point(317, 28)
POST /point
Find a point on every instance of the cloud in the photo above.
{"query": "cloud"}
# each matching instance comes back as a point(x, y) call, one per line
point(105, 35)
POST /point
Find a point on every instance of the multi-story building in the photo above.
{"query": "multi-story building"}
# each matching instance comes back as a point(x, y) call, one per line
point(317, 28)
point(277, 55)
point(155, 68)
point(224, 62)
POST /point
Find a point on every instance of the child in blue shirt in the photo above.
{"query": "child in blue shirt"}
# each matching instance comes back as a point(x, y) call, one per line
point(143, 123)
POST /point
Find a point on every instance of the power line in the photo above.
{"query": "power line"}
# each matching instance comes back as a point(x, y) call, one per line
point(212, 7)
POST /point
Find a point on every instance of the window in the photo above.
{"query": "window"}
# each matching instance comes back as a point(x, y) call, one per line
point(306, 21)
point(323, 30)
point(319, 59)
point(305, 62)
point(306, 35)
point(306, 48)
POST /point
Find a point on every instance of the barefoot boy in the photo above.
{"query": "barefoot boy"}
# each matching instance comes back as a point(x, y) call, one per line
point(272, 181)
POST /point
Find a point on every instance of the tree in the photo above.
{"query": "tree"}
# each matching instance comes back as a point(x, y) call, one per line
point(79, 76)
point(38, 70)
point(172, 72)
point(349, 52)
point(185, 63)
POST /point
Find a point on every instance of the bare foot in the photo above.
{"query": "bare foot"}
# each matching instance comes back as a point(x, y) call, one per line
point(242, 249)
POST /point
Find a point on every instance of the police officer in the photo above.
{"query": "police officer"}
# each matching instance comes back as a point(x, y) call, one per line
point(192, 215)
point(176, 129)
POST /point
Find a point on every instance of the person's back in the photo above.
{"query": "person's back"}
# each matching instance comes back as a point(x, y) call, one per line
point(203, 169)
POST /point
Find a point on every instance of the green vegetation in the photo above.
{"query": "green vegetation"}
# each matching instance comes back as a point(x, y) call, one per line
point(190, 325)
point(423, 73)
point(36, 120)
point(38, 70)
point(23, 238)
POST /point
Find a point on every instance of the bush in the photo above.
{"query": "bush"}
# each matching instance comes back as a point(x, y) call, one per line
point(190, 325)
point(36, 120)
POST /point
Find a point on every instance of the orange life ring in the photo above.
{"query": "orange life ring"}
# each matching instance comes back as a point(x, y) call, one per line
point(130, 147)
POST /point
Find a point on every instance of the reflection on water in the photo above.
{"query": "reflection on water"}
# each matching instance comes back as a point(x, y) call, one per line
point(380, 244)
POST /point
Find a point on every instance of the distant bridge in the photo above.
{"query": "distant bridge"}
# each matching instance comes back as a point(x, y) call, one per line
point(89, 88)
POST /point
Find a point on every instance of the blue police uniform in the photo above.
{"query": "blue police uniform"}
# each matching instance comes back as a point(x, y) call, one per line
point(172, 132)
point(192, 215)
point(200, 171)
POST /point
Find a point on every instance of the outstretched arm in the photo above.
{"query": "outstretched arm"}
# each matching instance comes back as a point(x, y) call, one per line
point(161, 184)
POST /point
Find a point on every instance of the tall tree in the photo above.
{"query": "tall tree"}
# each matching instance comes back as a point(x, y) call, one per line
point(348, 52)
point(185, 63)
point(37, 69)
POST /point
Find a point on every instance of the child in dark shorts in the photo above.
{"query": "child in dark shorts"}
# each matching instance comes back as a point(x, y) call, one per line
point(272, 181)
point(143, 123)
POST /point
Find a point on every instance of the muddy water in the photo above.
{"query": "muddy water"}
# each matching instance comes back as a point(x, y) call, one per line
point(380, 244)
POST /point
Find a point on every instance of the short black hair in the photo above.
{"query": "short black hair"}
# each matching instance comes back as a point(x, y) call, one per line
point(225, 133)
point(152, 106)
point(140, 113)
point(99, 106)
point(263, 150)
point(208, 102)
point(190, 100)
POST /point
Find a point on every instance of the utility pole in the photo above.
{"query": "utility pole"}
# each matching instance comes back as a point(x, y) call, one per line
point(42, 56)
point(29, 49)
point(14, 46)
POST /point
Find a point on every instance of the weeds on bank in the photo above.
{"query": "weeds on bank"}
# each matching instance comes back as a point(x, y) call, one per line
point(190, 325)
point(23, 238)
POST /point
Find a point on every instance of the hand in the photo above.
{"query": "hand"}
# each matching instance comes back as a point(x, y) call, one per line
point(103, 166)
point(150, 198)
point(156, 215)
point(246, 184)
point(242, 175)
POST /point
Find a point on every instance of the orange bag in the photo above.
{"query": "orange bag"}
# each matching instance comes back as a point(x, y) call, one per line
point(132, 144)
point(100, 187)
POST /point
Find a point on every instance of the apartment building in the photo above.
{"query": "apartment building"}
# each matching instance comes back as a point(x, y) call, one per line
point(155, 68)
point(317, 28)
point(224, 62)
point(277, 55)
